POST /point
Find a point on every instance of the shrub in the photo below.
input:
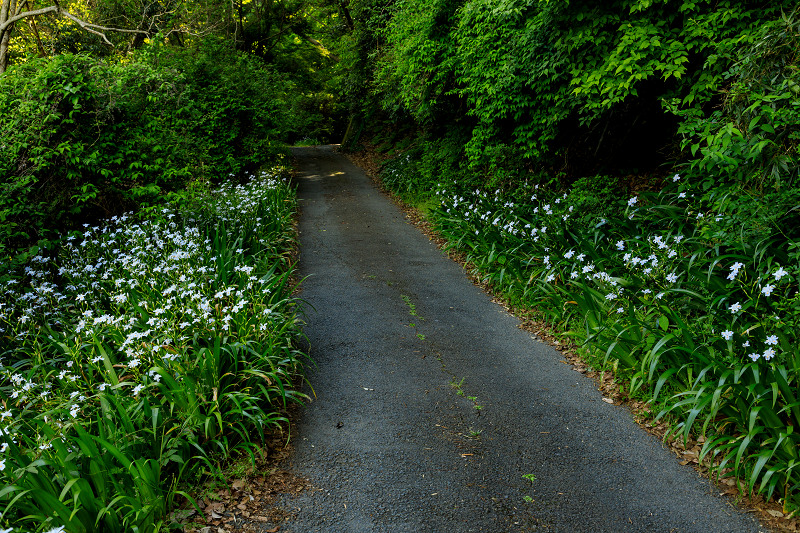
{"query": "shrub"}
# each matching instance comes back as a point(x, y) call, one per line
point(746, 152)
point(84, 139)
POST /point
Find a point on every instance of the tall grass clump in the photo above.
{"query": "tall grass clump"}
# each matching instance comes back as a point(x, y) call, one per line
point(140, 352)
point(702, 321)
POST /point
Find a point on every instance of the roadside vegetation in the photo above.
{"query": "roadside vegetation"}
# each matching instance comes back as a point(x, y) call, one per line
point(141, 353)
point(149, 332)
point(629, 174)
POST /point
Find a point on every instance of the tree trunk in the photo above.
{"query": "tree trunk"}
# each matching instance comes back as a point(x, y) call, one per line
point(346, 12)
point(7, 9)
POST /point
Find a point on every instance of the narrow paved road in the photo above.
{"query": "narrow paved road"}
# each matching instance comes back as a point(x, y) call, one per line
point(407, 349)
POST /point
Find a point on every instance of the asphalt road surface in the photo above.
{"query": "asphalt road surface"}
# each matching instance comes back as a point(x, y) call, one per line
point(434, 412)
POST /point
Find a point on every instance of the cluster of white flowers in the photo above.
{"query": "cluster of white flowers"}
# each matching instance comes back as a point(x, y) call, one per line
point(766, 290)
point(126, 297)
point(659, 263)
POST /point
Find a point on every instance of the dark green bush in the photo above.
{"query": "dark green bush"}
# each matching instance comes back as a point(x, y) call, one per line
point(83, 138)
point(576, 87)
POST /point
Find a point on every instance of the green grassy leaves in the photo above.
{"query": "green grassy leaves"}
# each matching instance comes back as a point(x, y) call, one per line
point(705, 327)
point(140, 352)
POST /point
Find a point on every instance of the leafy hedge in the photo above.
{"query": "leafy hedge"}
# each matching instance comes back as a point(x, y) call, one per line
point(84, 139)
point(576, 87)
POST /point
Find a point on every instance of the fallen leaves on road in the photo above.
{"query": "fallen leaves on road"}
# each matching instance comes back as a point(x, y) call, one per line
point(248, 504)
point(250, 501)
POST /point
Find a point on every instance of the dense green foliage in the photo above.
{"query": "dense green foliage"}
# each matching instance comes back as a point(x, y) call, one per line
point(745, 154)
point(141, 354)
point(565, 89)
point(85, 139)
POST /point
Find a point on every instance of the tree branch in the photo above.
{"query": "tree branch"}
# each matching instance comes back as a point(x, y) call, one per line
point(87, 26)
point(33, 13)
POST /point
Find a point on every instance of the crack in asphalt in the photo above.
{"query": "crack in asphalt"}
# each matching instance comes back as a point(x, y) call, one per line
point(472, 425)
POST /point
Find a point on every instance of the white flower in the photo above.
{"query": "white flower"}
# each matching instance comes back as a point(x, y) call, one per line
point(745, 344)
point(727, 334)
point(569, 254)
point(754, 356)
point(735, 271)
point(767, 290)
point(620, 310)
point(3, 467)
point(780, 273)
point(769, 353)
point(772, 340)
point(632, 201)
point(676, 177)
point(610, 296)
point(735, 308)
point(620, 245)
point(672, 277)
